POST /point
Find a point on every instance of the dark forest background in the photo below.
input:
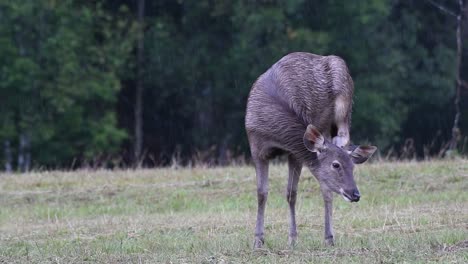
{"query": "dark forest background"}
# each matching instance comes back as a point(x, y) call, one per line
point(116, 83)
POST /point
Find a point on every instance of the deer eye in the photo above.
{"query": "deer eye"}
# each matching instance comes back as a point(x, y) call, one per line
point(336, 165)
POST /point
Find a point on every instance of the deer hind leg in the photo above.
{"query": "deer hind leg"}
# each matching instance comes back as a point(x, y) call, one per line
point(261, 168)
point(295, 168)
point(342, 113)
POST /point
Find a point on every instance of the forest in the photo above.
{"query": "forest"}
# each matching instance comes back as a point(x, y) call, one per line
point(124, 83)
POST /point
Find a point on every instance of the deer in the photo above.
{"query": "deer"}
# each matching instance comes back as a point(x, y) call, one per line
point(301, 106)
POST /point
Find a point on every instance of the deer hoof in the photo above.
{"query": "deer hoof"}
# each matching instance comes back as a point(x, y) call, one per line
point(329, 242)
point(292, 241)
point(340, 141)
point(258, 243)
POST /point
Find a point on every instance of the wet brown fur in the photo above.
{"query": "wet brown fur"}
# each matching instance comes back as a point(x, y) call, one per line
point(301, 106)
point(298, 90)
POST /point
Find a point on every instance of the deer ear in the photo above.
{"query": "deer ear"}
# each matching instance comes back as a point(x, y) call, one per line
point(313, 139)
point(361, 154)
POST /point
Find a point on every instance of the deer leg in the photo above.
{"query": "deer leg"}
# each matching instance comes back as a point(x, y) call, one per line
point(328, 201)
point(261, 167)
point(295, 168)
point(342, 121)
point(342, 137)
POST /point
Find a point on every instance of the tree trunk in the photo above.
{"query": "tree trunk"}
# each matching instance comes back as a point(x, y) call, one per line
point(456, 129)
point(21, 153)
point(27, 153)
point(8, 157)
point(24, 155)
point(139, 87)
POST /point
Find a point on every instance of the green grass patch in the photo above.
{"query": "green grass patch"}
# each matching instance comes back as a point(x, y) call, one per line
point(409, 213)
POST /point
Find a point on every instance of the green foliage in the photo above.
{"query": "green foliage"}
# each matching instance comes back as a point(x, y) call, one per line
point(207, 56)
point(69, 71)
point(60, 77)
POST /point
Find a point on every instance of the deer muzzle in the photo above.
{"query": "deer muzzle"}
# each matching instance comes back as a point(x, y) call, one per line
point(350, 195)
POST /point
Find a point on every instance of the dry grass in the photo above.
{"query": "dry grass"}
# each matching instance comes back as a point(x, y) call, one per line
point(410, 212)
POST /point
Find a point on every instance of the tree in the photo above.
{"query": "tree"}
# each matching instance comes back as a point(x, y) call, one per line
point(139, 86)
point(186, 67)
point(459, 82)
point(62, 79)
point(456, 129)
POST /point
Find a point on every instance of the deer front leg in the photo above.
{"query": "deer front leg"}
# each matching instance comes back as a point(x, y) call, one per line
point(328, 202)
point(261, 168)
point(295, 168)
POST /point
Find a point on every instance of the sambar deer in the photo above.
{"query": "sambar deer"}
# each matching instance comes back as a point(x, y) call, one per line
point(301, 107)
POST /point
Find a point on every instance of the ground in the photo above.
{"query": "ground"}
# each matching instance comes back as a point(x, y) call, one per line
point(413, 212)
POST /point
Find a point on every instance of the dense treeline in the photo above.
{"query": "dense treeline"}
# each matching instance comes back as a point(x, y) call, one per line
point(70, 70)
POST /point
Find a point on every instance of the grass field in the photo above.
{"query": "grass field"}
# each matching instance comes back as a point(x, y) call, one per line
point(409, 212)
